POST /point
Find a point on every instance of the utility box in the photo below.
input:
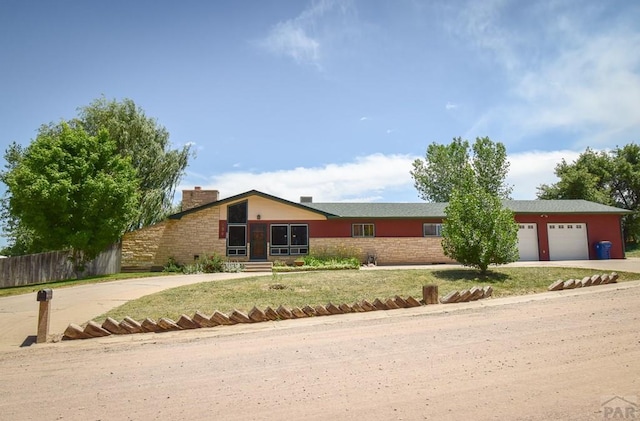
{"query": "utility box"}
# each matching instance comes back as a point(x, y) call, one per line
point(603, 250)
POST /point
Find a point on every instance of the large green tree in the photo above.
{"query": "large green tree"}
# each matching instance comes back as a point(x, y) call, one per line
point(141, 138)
point(70, 190)
point(478, 231)
point(611, 178)
point(146, 143)
point(438, 174)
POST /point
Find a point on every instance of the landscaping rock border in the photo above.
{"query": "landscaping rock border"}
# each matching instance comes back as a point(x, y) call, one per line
point(467, 295)
point(587, 281)
point(255, 315)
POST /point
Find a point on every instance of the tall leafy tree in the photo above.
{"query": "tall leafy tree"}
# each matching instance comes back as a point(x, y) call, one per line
point(21, 239)
point(587, 178)
point(491, 167)
point(478, 231)
point(611, 178)
point(438, 174)
point(70, 190)
point(141, 138)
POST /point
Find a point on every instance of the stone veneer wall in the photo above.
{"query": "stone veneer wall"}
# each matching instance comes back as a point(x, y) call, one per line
point(197, 233)
point(198, 197)
point(194, 234)
point(391, 251)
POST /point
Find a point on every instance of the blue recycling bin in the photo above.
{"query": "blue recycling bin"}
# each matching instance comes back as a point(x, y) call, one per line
point(603, 249)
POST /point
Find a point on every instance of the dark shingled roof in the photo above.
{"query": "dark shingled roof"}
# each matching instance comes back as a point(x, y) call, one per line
point(436, 210)
point(419, 210)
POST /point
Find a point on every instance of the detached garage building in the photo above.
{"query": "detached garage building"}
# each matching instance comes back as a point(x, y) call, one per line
point(255, 226)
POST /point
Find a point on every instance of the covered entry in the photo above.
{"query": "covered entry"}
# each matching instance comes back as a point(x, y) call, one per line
point(528, 241)
point(568, 241)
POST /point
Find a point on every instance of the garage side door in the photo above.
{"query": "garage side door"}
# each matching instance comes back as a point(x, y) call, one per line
point(568, 241)
point(528, 241)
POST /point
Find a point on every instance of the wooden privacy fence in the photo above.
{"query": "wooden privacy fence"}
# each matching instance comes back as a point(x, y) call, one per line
point(54, 266)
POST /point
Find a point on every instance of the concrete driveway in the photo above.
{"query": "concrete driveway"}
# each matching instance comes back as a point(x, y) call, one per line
point(19, 314)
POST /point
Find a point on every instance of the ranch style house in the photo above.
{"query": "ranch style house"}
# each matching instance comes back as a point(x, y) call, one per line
point(255, 226)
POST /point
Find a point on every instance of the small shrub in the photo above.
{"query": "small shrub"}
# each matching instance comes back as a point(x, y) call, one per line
point(325, 258)
point(192, 269)
point(335, 252)
point(210, 263)
point(232, 267)
point(172, 266)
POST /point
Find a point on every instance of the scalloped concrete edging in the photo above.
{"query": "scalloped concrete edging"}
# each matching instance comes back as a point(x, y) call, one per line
point(587, 281)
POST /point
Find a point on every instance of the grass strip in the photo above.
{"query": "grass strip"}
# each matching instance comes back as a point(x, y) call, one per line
point(313, 288)
point(26, 289)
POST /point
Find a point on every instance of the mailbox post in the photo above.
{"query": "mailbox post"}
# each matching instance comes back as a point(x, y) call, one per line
point(44, 298)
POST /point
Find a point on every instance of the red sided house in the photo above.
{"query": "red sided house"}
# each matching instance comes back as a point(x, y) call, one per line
point(255, 226)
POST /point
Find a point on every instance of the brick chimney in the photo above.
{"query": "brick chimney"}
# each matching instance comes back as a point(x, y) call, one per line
point(198, 197)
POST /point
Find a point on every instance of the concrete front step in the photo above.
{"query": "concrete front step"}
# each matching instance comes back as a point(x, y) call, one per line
point(258, 266)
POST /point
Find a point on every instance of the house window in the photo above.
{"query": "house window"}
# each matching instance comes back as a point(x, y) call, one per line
point(280, 235)
point(237, 240)
point(289, 239)
point(362, 230)
point(432, 230)
point(237, 213)
point(237, 229)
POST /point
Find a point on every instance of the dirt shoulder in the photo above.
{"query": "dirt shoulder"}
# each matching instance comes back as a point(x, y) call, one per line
point(542, 357)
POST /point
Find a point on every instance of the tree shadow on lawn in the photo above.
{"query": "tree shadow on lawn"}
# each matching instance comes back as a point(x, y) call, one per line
point(470, 275)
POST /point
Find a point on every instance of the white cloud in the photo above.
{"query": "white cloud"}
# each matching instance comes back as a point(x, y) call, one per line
point(365, 179)
point(372, 178)
point(592, 89)
point(290, 39)
point(364, 118)
point(577, 74)
point(306, 38)
point(479, 23)
point(530, 169)
point(450, 106)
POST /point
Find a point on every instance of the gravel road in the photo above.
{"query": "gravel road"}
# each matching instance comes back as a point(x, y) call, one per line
point(554, 356)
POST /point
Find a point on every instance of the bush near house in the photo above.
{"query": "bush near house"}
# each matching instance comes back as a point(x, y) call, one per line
point(325, 258)
point(210, 263)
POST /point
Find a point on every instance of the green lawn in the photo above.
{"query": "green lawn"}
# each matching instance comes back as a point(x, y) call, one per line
point(26, 289)
point(312, 288)
point(632, 250)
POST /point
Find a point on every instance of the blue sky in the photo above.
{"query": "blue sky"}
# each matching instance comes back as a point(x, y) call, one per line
point(333, 99)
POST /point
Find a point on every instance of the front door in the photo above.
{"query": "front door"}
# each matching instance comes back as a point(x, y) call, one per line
point(258, 238)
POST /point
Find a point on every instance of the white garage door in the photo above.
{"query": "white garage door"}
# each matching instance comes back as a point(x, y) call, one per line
point(568, 241)
point(528, 242)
